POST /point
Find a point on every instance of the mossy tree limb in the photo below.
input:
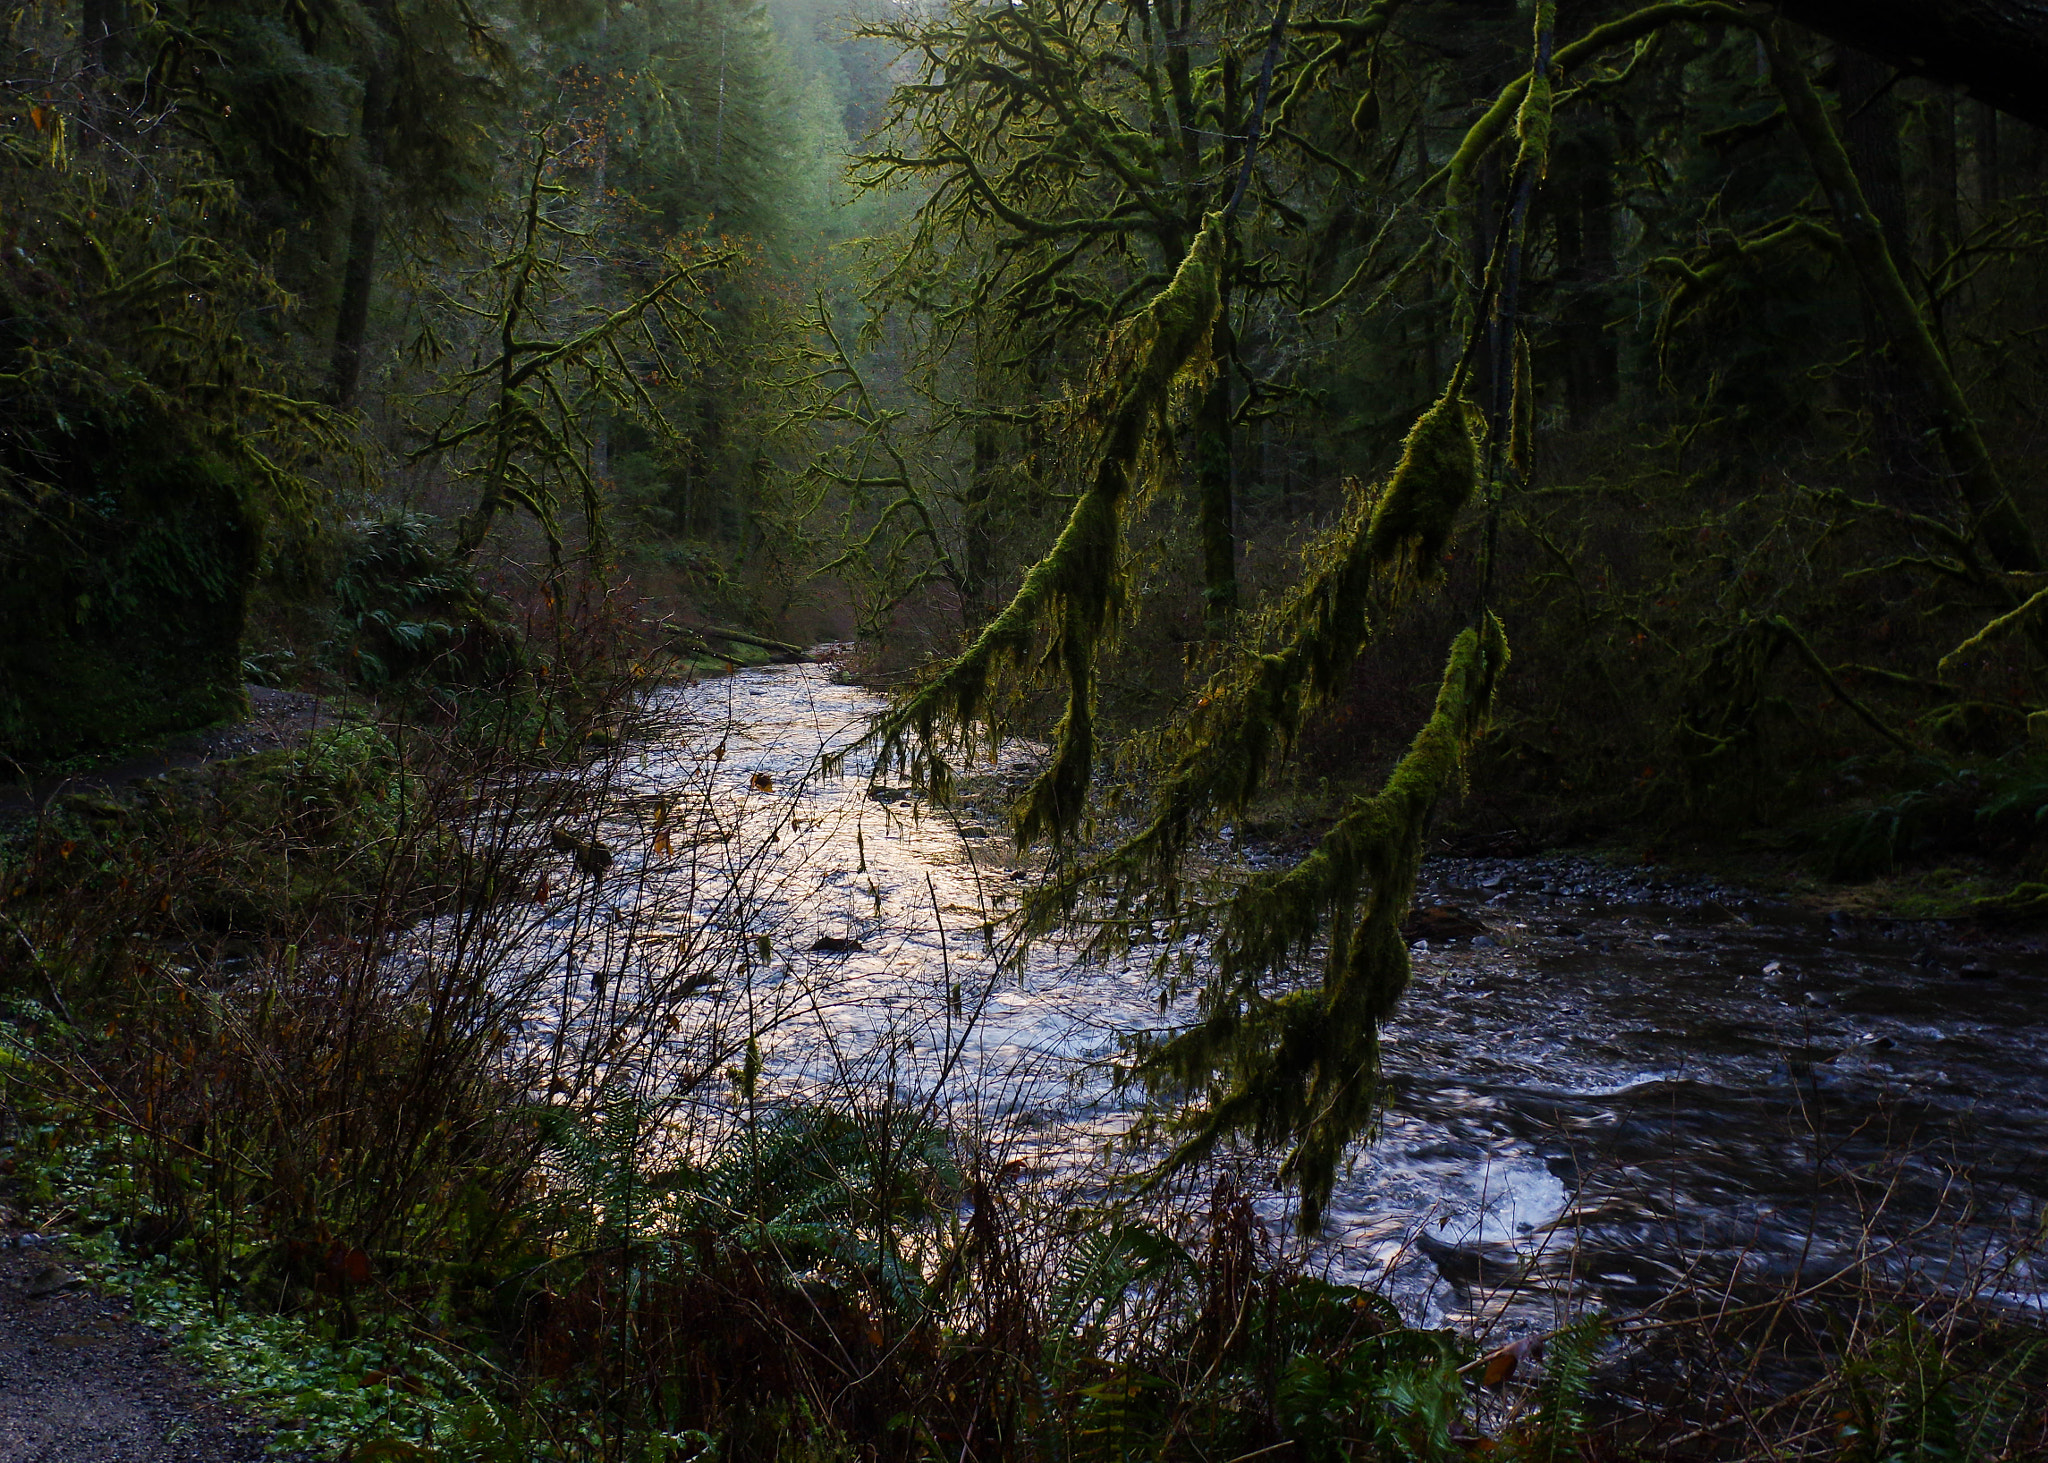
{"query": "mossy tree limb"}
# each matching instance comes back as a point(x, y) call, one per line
point(1303, 1068)
point(2005, 532)
point(905, 545)
point(1075, 589)
point(515, 420)
point(1245, 718)
point(2025, 613)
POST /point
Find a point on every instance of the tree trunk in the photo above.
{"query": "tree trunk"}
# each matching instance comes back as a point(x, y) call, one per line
point(103, 31)
point(1870, 132)
point(1998, 521)
point(977, 548)
point(1897, 410)
point(366, 223)
point(1989, 184)
point(1580, 198)
point(1944, 220)
point(1216, 500)
point(1213, 489)
point(358, 276)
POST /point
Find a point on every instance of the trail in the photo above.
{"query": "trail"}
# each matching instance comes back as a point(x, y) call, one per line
point(82, 1382)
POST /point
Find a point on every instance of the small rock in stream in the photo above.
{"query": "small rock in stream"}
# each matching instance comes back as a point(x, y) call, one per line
point(1440, 922)
point(591, 855)
point(1465, 1264)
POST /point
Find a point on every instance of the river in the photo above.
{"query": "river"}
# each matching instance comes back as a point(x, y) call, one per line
point(1624, 1085)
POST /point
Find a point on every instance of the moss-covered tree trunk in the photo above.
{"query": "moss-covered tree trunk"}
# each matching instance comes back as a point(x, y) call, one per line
point(1215, 491)
point(366, 219)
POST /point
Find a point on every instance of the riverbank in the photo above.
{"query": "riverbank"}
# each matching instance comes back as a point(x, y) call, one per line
point(750, 1102)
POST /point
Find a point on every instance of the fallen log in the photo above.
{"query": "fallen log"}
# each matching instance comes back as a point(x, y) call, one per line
point(782, 650)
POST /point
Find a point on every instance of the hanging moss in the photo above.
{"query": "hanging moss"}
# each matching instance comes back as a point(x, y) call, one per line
point(1215, 760)
point(1303, 1069)
point(1076, 587)
point(1435, 478)
point(1533, 118)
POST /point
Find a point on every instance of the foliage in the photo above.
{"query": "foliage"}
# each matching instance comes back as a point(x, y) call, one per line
point(1304, 1069)
point(512, 419)
point(404, 604)
point(146, 443)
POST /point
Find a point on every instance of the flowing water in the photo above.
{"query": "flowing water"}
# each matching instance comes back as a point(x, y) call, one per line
point(1621, 1085)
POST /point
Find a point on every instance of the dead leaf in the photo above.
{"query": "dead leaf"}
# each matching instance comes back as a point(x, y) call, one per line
point(349, 1264)
point(1500, 1365)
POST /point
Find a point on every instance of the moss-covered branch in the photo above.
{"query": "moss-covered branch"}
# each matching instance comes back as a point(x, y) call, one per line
point(1075, 588)
point(1303, 1068)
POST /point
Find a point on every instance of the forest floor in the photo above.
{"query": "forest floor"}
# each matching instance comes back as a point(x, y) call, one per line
point(276, 719)
point(81, 1381)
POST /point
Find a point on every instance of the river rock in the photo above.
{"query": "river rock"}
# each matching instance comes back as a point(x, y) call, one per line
point(591, 855)
point(49, 1280)
point(1466, 1264)
point(1439, 922)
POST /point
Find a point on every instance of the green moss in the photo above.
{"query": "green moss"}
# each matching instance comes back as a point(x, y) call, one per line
point(262, 842)
point(1365, 117)
point(1304, 1069)
point(1438, 471)
point(2024, 903)
point(1075, 590)
point(1533, 120)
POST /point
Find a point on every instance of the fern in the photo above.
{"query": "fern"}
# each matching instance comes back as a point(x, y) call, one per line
point(1558, 1426)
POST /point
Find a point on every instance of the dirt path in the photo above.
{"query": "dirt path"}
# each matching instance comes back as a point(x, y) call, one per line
point(276, 719)
point(83, 1382)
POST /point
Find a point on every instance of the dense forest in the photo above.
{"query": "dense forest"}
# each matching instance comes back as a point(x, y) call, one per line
point(1245, 457)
